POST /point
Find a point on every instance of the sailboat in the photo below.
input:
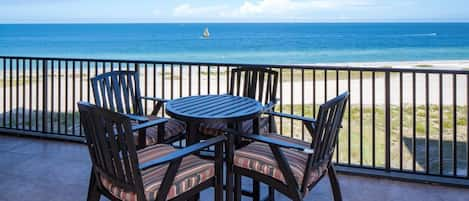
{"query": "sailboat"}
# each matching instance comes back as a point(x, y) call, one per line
point(206, 34)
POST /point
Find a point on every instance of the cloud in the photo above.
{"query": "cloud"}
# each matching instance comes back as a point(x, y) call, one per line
point(280, 6)
point(187, 10)
point(271, 9)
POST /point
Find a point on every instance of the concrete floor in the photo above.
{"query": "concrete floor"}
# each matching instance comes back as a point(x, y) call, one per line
point(45, 170)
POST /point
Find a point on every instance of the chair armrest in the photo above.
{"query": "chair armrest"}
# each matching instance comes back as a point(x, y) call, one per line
point(269, 106)
point(280, 143)
point(159, 103)
point(154, 99)
point(148, 124)
point(292, 116)
point(136, 117)
point(183, 152)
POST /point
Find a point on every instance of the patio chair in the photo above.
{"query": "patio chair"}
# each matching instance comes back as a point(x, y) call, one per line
point(255, 83)
point(159, 172)
point(291, 166)
point(120, 91)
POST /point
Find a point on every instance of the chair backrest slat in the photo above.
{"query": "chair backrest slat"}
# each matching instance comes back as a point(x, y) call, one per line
point(138, 106)
point(238, 81)
point(118, 91)
point(325, 133)
point(110, 93)
point(125, 90)
point(328, 123)
point(103, 93)
point(256, 83)
point(260, 96)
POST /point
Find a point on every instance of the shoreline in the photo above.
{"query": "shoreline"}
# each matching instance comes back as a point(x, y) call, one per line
point(438, 64)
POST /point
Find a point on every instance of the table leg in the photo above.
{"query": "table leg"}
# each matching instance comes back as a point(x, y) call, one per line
point(255, 126)
point(229, 167)
point(192, 136)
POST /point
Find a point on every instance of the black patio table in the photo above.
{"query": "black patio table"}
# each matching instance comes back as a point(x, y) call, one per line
point(232, 110)
point(228, 109)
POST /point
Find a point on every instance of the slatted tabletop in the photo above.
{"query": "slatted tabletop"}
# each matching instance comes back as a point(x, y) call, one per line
point(213, 107)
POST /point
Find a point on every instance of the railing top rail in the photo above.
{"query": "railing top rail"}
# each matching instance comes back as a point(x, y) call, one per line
point(295, 66)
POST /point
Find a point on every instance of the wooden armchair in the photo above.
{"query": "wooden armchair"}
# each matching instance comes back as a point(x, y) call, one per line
point(291, 166)
point(119, 91)
point(159, 172)
point(256, 83)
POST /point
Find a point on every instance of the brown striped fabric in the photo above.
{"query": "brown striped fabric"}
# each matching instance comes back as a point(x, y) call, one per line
point(192, 172)
point(258, 157)
point(216, 129)
point(172, 128)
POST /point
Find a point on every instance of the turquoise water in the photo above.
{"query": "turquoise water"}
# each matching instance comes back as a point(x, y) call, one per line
point(283, 43)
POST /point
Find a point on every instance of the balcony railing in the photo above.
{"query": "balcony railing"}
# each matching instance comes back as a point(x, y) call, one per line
point(408, 123)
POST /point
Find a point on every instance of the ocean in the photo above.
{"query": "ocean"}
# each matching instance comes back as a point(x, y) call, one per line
point(270, 43)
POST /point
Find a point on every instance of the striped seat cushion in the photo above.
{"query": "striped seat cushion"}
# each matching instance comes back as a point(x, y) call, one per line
point(172, 128)
point(192, 172)
point(258, 157)
point(216, 129)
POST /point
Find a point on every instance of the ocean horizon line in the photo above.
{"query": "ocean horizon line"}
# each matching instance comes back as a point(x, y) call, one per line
point(237, 22)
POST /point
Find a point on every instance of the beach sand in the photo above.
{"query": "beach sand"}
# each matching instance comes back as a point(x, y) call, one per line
point(439, 64)
point(153, 86)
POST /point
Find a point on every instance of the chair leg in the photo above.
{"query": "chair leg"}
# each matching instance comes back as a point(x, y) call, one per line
point(219, 172)
point(229, 168)
point(272, 125)
point(218, 191)
point(271, 196)
point(93, 192)
point(256, 190)
point(237, 188)
point(334, 183)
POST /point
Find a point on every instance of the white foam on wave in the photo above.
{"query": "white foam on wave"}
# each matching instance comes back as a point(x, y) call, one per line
point(421, 35)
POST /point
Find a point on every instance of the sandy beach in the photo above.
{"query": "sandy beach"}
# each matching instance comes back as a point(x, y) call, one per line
point(153, 86)
point(439, 64)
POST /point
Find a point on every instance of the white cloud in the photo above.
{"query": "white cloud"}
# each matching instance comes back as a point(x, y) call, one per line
point(281, 6)
point(187, 10)
point(270, 9)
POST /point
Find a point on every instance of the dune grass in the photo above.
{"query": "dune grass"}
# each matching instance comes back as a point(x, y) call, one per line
point(362, 137)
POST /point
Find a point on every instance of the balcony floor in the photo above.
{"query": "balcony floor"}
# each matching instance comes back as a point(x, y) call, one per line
point(38, 170)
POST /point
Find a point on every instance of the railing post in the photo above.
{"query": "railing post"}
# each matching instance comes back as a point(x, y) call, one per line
point(387, 103)
point(44, 95)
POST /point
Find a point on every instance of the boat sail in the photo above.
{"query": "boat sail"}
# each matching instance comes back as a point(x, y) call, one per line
point(206, 34)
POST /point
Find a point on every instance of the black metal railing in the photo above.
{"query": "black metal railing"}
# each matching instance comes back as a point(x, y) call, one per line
point(402, 120)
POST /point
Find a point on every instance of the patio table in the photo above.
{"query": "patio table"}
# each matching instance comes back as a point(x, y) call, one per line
point(228, 109)
point(232, 110)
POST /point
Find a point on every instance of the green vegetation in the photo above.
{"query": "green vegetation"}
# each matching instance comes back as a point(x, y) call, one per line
point(58, 121)
point(20, 82)
point(423, 65)
point(367, 136)
point(286, 74)
point(407, 135)
point(320, 75)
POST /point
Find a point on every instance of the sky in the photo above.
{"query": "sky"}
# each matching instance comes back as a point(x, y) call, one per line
point(160, 11)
